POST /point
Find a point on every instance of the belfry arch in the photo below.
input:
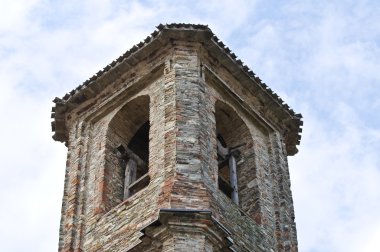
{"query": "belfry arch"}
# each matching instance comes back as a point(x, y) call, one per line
point(127, 152)
point(236, 140)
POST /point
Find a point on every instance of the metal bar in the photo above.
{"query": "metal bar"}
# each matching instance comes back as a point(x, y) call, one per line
point(233, 180)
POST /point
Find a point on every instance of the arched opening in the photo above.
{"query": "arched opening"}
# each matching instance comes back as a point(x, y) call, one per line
point(234, 149)
point(127, 157)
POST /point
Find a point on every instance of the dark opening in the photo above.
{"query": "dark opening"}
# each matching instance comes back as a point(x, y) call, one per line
point(223, 170)
point(136, 162)
point(139, 143)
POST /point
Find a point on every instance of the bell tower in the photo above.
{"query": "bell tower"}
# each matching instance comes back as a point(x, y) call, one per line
point(176, 146)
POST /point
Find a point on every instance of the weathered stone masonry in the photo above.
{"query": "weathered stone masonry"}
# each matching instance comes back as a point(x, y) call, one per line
point(189, 89)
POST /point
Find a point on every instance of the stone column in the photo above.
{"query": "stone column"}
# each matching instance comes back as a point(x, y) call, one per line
point(188, 189)
point(72, 218)
point(285, 232)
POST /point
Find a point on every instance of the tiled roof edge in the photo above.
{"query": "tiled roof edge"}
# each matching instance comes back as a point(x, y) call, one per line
point(149, 39)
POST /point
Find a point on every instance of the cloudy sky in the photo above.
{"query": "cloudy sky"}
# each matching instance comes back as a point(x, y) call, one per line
point(321, 57)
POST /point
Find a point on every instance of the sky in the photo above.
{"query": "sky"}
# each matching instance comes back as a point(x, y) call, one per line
point(322, 57)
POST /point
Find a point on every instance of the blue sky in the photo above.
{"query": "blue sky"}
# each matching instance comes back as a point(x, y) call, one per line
point(321, 57)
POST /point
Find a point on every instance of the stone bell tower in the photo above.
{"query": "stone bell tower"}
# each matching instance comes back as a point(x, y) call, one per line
point(176, 146)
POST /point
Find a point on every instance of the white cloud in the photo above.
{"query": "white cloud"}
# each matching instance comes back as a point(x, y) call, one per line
point(30, 175)
point(322, 58)
point(14, 14)
point(336, 186)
